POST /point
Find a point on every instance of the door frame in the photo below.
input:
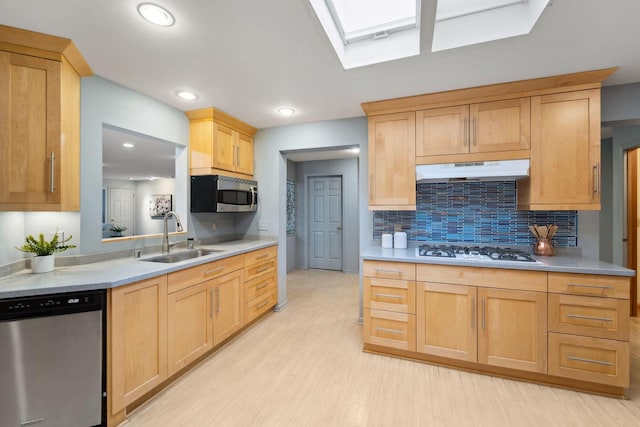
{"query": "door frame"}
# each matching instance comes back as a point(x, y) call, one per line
point(630, 234)
point(307, 213)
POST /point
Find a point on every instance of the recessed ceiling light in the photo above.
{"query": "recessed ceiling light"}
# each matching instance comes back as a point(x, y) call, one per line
point(286, 111)
point(156, 15)
point(186, 95)
point(127, 145)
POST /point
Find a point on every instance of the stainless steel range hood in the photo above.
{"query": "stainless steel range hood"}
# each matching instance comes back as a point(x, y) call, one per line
point(503, 170)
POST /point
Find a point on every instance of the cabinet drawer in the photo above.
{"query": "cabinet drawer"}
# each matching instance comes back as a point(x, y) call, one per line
point(589, 284)
point(390, 270)
point(260, 255)
point(590, 316)
point(589, 359)
point(259, 286)
point(389, 329)
point(190, 276)
point(257, 306)
point(260, 270)
point(484, 277)
point(389, 294)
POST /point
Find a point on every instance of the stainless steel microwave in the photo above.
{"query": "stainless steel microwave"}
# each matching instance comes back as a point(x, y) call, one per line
point(218, 193)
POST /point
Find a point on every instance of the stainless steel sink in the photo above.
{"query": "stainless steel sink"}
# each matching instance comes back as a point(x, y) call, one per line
point(182, 256)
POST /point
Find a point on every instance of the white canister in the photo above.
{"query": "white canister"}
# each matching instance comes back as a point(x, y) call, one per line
point(400, 240)
point(387, 241)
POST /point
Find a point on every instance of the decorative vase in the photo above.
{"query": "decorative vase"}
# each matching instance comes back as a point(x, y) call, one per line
point(42, 264)
point(543, 247)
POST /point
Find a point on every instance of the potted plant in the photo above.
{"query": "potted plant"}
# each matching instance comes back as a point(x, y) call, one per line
point(117, 230)
point(42, 260)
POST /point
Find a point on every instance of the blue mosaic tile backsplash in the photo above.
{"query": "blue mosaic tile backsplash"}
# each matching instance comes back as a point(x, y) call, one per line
point(474, 212)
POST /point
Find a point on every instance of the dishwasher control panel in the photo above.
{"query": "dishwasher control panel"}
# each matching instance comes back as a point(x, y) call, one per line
point(51, 304)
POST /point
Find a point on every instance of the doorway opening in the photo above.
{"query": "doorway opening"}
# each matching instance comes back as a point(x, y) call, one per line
point(324, 221)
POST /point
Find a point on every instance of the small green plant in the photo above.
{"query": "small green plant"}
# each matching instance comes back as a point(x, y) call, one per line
point(42, 247)
point(116, 228)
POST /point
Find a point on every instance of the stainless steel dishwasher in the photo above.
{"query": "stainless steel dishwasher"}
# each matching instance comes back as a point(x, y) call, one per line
point(52, 369)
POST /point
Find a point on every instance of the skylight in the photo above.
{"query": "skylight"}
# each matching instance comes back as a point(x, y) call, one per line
point(467, 22)
point(365, 32)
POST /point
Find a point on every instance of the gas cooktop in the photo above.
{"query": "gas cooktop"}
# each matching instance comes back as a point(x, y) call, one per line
point(473, 253)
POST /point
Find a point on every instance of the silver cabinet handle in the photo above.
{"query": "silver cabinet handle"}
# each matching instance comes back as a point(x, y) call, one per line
point(388, 296)
point(217, 300)
point(597, 362)
point(262, 256)
point(392, 331)
point(383, 270)
point(473, 313)
point(263, 268)
point(483, 315)
point(578, 285)
point(213, 303)
point(52, 172)
point(596, 179)
point(474, 137)
point(263, 285)
point(262, 304)
point(579, 316)
point(208, 272)
point(465, 133)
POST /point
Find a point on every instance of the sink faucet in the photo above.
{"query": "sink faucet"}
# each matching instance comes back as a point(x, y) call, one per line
point(165, 239)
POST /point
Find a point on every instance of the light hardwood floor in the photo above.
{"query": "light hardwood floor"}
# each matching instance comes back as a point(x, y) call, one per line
point(305, 367)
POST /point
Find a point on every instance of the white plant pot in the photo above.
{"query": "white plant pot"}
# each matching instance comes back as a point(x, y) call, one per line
point(42, 264)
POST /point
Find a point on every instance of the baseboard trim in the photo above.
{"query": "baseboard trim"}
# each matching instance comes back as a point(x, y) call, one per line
point(281, 306)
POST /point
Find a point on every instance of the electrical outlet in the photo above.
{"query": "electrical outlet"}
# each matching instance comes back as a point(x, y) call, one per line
point(214, 227)
point(263, 225)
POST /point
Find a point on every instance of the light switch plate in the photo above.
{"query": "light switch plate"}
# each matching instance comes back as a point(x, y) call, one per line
point(263, 225)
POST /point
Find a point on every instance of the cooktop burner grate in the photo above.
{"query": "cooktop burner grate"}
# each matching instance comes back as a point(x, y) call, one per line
point(471, 252)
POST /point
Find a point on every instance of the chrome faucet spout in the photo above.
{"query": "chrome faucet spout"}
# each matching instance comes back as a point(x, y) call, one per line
point(165, 239)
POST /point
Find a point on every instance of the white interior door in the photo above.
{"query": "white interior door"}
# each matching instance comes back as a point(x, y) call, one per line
point(121, 208)
point(325, 222)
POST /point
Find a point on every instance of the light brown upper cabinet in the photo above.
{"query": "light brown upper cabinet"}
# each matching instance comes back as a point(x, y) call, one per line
point(392, 162)
point(40, 121)
point(565, 153)
point(219, 144)
point(452, 133)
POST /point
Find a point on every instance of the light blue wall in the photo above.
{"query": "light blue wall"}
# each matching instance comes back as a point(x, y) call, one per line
point(104, 102)
point(620, 103)
point(271, 174)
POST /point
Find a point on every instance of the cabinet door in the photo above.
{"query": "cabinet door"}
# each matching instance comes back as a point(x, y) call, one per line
point(442, 131)
point(392, 162)
point(512, 329)
point(189, 325)
point(30, 119)
point(500, 125)
point(228, 305)
point(244, 155)
point(138, 339)
point(565, 150)
point(446, 321)
point(224, 142)
point(201, 144)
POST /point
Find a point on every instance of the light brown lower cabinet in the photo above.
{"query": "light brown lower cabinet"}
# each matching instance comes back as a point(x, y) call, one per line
point(228, 305)
point(512, 330)
point(138, 331)
point(390, 329)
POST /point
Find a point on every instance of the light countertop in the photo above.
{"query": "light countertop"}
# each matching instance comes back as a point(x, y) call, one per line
point(557, 263)
point(114, 273)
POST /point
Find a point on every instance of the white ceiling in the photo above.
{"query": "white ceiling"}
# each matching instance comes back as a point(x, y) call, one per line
point(248, 57)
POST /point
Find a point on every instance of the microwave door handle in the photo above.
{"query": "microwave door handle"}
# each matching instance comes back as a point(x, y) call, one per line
point(253, 197)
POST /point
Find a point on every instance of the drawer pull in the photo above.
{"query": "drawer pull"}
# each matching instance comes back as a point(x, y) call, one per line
point(384, 270)
point(597, 362)
point(263, 256)
point(263, 285)
point(263, 268)
point(215, 270)
point(389, 296)
point(392, 331)
point(577, 285)
point(579, 316)
point(259, 306)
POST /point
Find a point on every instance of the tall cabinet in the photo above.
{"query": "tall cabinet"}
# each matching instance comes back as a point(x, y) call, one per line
point(40, 121)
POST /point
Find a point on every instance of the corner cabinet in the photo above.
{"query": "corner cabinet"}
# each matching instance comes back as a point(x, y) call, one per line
point(392, 162)
point(565, 153)
point(219, 143)
point(40, 119)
